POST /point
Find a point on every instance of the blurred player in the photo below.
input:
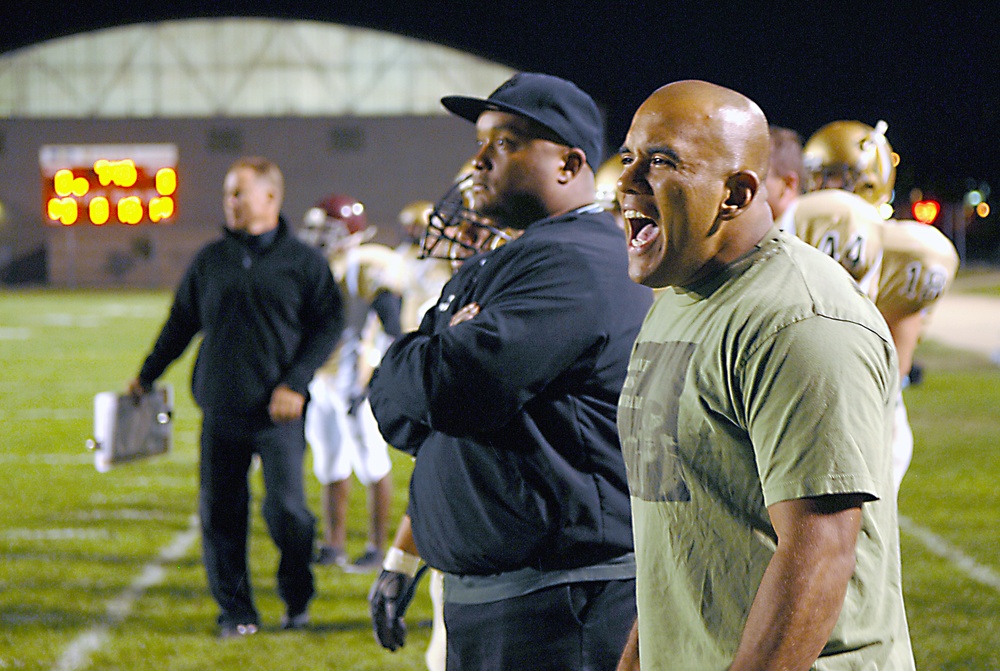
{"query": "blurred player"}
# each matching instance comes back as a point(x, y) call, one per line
point(904, 269)
point(606, 183)
point(339, 425)
point(426, 276)
point(919, 263)
point(850, 173)
point(786, 177)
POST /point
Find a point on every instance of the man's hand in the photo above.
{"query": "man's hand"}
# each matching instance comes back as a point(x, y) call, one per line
point(465, 314)
point(388, 600)
point(286, 404)
point(136, 389)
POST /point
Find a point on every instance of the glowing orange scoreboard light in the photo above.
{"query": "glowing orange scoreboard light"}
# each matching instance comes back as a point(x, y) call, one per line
point(108, 183)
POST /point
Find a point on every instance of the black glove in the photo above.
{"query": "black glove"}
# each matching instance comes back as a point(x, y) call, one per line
point(388, 599)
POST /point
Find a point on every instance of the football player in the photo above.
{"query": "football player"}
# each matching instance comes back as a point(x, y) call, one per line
point(427, 276)
point(339, 425)
point(918, 265)
point(786, 178)
point(903, 266)
point(850, 173)
point(606, 182)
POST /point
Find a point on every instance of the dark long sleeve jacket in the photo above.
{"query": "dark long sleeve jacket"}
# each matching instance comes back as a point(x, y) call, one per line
point(511, 415)
point(268, 316)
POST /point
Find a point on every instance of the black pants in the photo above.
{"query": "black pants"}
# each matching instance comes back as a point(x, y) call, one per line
point(224, 506)
point(575, 627)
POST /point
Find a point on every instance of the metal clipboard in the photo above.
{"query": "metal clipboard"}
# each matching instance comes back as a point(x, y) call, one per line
point(126, 430)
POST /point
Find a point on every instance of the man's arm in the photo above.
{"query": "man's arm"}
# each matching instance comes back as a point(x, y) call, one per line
point(905, 330)
point(534, 326)
point(630, 655)
point(400, 431)
point(803, 588)
point(182, 324)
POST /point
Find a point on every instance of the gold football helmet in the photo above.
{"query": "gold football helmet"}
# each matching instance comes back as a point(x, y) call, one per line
point(852, 156)
point(413, 218)
point(606, 181)
point(454, 230)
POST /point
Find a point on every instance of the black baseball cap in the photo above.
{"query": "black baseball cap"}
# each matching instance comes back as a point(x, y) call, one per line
point(555, 103)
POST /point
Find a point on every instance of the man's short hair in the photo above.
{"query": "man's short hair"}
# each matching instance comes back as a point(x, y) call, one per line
point(786, 154)
point(263, 167)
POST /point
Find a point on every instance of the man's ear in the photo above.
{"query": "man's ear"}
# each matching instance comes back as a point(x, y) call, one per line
point(573, 161)
point(741, 189)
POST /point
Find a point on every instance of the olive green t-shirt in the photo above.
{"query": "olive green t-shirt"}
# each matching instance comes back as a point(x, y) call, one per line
point(774, 380)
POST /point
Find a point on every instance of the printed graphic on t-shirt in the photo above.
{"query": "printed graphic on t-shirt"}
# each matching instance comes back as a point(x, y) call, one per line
point(647, 415)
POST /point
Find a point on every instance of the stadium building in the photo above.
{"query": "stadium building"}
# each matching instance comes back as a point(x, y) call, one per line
point(114, 144)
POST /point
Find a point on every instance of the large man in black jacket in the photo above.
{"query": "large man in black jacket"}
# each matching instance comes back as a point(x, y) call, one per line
point(507, 397)
point(270, 314)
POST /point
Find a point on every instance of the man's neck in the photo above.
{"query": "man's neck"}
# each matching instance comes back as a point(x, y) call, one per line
point(256, 228)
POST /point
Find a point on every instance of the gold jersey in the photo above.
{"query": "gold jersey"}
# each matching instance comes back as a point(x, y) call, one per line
point(847, 228)
point(362, 273)
point(918, 265)
point(427, 277)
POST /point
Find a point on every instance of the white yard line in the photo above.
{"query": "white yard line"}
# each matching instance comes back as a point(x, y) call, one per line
point(77, 654)
point(951, 553)
point(54, 534)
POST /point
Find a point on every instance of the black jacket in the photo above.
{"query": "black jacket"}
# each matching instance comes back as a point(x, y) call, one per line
point(268, 316)
point(511, 416)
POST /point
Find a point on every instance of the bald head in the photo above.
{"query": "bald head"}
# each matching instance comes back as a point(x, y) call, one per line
point(728, 125)
point(695, 157)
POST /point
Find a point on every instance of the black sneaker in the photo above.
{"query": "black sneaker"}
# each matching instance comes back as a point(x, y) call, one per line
point(369, 562)
point(331, 556)
point(237, 630)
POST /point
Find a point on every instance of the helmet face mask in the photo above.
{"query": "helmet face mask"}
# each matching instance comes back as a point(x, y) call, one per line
point(455, 231)
point(852, 156)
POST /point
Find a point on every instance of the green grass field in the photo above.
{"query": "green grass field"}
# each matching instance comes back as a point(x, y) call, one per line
point(103, 571)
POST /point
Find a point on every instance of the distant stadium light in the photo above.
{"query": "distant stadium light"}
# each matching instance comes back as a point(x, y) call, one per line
point(926, 211)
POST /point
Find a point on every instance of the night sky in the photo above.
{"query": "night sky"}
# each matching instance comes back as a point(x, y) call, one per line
point(928, 69)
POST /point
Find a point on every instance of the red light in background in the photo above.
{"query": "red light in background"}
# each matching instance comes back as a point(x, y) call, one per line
point(926, 211)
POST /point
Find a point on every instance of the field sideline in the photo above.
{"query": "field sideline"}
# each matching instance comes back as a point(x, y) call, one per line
point(102, 571)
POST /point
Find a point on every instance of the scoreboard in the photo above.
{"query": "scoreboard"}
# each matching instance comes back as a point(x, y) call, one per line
point(98, 184)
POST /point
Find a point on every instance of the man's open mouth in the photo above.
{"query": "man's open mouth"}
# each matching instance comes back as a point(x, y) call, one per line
point(642, 229)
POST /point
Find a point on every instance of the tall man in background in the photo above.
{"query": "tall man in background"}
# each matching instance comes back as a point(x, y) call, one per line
point(756, 418)
point(269, 313)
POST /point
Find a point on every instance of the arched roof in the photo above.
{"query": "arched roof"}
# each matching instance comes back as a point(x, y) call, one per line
point(242, 67)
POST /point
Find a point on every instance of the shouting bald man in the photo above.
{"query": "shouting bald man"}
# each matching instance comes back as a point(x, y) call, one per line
point(756, 416)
